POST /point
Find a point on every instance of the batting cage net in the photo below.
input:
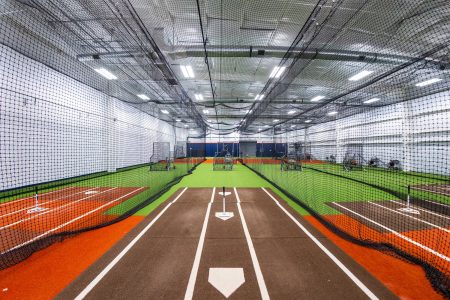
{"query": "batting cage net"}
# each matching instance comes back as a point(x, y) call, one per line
point(224, 157)
point(379, 170)
point(76, 133)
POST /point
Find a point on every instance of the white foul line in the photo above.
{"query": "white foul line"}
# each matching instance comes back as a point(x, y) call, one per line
point(53, 209)
point(412, 217)
point(424, 210)
point(397, 234)
point(32, 197)
point(198, 254)
point(111, 265)
point(251, 248)
point(355, 279)
point(69, 222)
point(43, 203)
point(431, 191)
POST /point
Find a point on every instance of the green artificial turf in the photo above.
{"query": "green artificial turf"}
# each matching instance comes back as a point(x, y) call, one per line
point(204, 176)
point(312, 186)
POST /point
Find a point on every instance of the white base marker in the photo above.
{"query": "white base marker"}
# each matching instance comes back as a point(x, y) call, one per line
point(111, 265)
point(347, 272)
point(224, 215)
point(226, 280)
point(36, 209)
point(409, 210)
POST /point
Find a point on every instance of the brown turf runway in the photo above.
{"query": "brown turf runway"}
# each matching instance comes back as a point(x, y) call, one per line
point(161, 262)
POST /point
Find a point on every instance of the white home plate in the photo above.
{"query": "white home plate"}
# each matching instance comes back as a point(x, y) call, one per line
point(226, 280)
point(36, 209)
point(224, 215)
point(90, 192)
point(409, 210)
point(226, 193)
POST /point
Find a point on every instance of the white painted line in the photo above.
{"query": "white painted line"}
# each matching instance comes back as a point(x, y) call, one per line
point(437, 203)
point(251, 248)
point(111, 265)
point(43, 203)
point(422, 209)
point(69, 222)
point(347, 272)
point(32, 197)
point(434, 192)
point(412, 217)
point(440, 255)
point(54, 209)
point(198, 254)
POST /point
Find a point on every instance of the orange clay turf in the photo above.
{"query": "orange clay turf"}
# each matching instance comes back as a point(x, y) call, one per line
point(47, 272)
point(406, 280)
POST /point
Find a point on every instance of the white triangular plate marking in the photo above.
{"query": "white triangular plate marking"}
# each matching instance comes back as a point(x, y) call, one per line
point(226, 280)
point(90, 192)
point(224, 215)
point(409, 210)
point(226, 193)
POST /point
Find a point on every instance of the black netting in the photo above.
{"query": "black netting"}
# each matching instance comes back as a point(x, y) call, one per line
point(348, 102)
point(77, 146)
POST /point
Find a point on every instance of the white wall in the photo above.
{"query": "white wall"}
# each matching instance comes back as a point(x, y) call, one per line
point(416, 132)
point(54, 127)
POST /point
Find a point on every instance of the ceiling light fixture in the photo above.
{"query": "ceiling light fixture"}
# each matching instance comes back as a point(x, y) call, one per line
point(259, 97)
point(371, 100)
point(187, 71)
point(198, 96)
point(360, 75)
point(143, 96)
point(308, 121)
point(276, 72)
point(205, 111)
point(332, 113)
point(317, 98)
point(178, 120)
point(105, 73)
point(276, 120)
point(165, 111)
point(428, 82)
point(291, 112)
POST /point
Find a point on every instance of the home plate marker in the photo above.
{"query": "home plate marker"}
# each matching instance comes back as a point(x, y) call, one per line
point(90, 192)
point(226, 280)
point(36, 207)
point(224, 215)
point(408, 208)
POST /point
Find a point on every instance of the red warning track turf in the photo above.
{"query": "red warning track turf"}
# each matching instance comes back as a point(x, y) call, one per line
point(65, 210)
